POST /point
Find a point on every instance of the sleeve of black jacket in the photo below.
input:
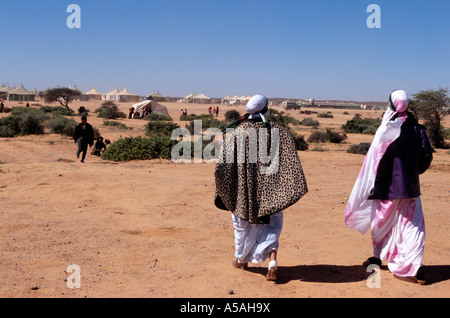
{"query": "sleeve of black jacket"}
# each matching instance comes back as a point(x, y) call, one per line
point(426, 152)
point(76, 133)
point(90, 136)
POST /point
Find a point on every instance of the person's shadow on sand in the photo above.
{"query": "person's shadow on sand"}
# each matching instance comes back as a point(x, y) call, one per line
point(343, 274)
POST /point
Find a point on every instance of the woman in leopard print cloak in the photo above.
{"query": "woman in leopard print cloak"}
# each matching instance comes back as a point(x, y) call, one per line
point(258, 175)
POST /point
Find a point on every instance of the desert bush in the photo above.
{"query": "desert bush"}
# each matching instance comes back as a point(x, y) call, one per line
point(23, 121)
point(309, 122)
point(335, 137)
point(31, 124)
point(160, 128)
point(9, 126)
point(115, 124)
point(325, 115)
point(109, 110)
point(281, 119)
point(62, 125)
point(317, 136)
point(328, 135)
point(139, 148)
point(57, 110)
point(191, 117)
point(361, 148)
point(359, 125)
point(208, 122)
point(157, 117)
point(320, 149)
point(37, 113)
point(300, 143)
point(232, 115)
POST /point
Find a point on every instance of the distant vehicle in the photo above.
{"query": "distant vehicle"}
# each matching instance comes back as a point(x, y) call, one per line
point(290, 105)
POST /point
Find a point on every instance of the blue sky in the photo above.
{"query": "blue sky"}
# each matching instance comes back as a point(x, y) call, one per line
point(318, 49)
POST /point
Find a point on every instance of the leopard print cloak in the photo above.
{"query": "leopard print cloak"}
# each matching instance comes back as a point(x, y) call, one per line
point(253, 190)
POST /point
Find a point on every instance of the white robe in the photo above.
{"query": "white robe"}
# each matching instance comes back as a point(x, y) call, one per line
point(254, 242)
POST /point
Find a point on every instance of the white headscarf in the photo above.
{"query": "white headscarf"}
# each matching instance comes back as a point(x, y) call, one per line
point(400, 100)
point(255, 105)
point(360, 211)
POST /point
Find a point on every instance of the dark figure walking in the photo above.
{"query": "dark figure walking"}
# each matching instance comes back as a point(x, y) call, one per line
point(84, 136)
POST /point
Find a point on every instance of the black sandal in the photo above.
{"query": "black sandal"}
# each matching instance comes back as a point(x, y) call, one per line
point(372, 260)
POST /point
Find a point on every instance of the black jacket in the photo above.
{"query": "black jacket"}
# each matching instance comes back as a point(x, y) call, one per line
point(405, 159)
point(86, 135)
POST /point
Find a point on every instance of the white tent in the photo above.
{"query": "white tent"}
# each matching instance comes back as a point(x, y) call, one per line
point(189, 98)
point(126, 96)
point(154, 107)
point(92, 94)
point(202, 99)
point(113, 95)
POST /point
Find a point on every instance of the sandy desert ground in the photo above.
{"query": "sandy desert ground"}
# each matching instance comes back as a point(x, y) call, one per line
point(150, 228)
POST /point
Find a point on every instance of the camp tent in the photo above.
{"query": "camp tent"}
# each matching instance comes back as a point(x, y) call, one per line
point(4, 90)
point(155, 107)
point(156, 96)
point(189, 98)
point(113, 95)
point(126, 96)
point(20, 94)
point(202, 99)
point(92, 94)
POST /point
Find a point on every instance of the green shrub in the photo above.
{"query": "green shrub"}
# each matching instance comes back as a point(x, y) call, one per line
point(57, 110)
point(317, 136)
point(281, 119)
point(329, 135)
point(359, 125)
point(37, 113)
point(109, 110)
point(31, 124)
point(157, 117)
point(361, 148)
point(335, 137)
point(62, 125)
point(139, 148)
point(26, 121)
point(160, 128)
point(10, 126)
point(23, 121)
point(208, 122)
point(320, 149)
point(191, 117)
point(309, 122)
point(115, 124)
point(325, 115)
point(232, 115)
point(300, 143)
